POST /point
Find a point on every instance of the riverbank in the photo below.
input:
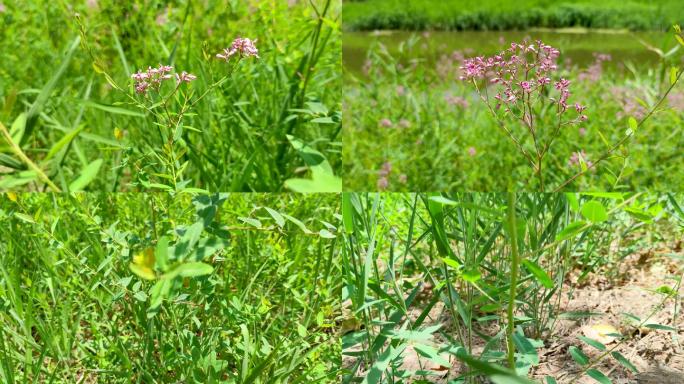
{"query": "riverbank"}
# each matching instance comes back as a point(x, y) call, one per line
point(501, 15)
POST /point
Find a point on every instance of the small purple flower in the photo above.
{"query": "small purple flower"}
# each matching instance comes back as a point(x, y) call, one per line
point(242, 46)
point(472, 151)
point(579, 108)
point(3, 9)
point(142, 86)
point(185, 77)
point(525, 85)
point(401, 90)
point(387, 123)
point(582, 131)
point(383, 183)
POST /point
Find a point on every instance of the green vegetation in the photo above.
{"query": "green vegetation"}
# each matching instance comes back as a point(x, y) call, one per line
point(71, 118)
point(155, 288)
point(414, 125)
point(452, 288)
point(506, 15)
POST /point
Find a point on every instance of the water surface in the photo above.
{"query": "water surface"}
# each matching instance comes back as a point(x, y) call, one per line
point(578, 45)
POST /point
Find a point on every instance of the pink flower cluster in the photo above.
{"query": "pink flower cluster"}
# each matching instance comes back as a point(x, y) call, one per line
point(594, 72)
point(519, 72)
point(153, 78)
point(243, 47)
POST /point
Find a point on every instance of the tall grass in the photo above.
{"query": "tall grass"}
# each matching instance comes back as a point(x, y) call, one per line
point(152, 288)
point(254, 133)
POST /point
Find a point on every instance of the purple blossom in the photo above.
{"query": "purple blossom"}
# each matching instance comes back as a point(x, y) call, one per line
point(383, 183)
point(472, 151)
point(185, 77)
point(525, 85)
point(582, 131)
point(244, 47)
point(387, 123)
point(401, 90)
point(578, 157)
point(3, 9)
point(457, 101)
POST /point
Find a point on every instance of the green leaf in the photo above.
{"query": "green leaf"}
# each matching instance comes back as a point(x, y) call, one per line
point(633, 125)
point(660, 327)
point(192, 269)
point(253, 222)
point(451, 262)
point(673, 75)
point(297, 223)
point(571, 230)
point(594, 343)
point(538, 273)
point(324, 233)
point(623, 360)
point(279, 219)
point(598, 376)
point(347, 213)
point(550, 380)
point(18, 127)
point(87, 176)
point(66, 139)
point(679, 39)
point(594, 211)
point(432, 354)
point(578, 355)
point(113, 109)
point(161, 253)
point(24, 217)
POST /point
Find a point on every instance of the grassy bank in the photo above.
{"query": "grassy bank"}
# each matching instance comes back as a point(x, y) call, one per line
point(507, 15)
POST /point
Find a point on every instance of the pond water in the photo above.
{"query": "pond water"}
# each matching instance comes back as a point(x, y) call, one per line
point(578, 45)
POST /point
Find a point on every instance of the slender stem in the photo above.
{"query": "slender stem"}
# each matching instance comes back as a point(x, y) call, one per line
point(17, 151)
point(513, 233)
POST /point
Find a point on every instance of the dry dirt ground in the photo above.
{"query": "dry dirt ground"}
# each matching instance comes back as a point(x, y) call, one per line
point(658, 355)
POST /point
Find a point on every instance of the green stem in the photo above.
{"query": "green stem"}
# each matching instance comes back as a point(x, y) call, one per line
point(514, 277)
point(17, 151)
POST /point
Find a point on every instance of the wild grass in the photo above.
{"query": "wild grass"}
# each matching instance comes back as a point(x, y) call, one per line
point(414, 125)
point(472, 283)
point(507, 15)
point(155, 288)
point(274, 119)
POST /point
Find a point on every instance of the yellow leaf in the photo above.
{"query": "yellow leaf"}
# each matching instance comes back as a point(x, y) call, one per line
point(601, 333)
point(118, 133)
point(12, 196)
point(143, 264)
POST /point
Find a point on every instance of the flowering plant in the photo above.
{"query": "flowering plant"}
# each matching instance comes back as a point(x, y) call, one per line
point(520, 90)
point(169, 97)
point(519, 79)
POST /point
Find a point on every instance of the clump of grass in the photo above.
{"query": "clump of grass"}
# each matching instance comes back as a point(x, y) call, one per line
point(469, 283)
point(127, 288)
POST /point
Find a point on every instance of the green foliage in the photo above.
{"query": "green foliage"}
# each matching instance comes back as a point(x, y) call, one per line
point(414, 126)
point(233, 136)
point(123, 288)
point(503, 15)
point(406, 253)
